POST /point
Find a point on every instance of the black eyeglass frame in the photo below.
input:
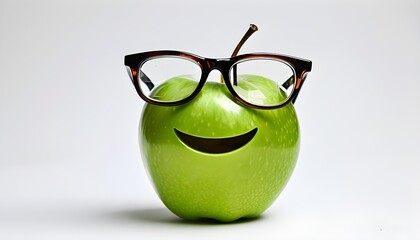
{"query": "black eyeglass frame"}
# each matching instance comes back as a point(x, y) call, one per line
point(134, 63)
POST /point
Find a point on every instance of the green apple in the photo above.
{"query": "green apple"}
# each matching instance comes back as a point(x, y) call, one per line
point(214, 157)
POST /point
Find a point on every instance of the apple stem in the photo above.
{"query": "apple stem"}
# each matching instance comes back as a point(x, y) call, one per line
point(252, 28)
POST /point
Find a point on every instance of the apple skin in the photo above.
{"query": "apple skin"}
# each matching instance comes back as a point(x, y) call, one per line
point(239, 184)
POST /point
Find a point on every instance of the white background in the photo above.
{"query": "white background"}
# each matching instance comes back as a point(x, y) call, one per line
point(70, 167)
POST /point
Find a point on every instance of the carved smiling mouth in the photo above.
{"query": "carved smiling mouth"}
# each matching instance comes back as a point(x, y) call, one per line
point(215, 145)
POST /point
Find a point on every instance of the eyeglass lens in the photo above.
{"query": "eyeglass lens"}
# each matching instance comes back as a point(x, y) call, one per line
point(263, 82)
point(169, 79)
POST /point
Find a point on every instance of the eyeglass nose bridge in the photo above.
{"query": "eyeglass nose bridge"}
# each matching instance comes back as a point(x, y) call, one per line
point(211, 64)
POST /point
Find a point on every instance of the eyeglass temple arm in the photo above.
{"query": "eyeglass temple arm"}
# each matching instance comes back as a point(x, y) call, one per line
point(146, 80)
point(289, 82)
point(143, 77)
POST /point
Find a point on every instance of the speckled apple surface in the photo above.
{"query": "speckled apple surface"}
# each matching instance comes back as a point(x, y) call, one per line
point(239, 184)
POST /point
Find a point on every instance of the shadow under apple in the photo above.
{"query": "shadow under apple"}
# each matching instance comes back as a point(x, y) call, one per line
point(164, 216)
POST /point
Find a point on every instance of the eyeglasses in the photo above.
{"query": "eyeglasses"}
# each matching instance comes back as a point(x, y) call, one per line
point(256, 80)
